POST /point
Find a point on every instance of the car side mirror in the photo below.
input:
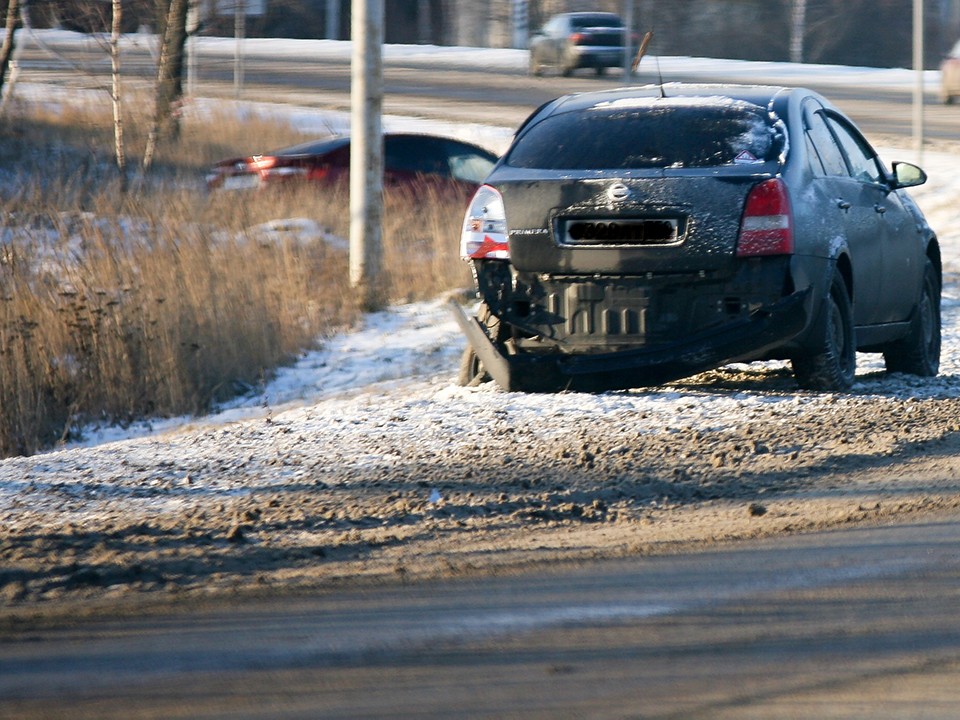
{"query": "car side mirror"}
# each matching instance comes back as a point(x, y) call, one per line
point(907, 175)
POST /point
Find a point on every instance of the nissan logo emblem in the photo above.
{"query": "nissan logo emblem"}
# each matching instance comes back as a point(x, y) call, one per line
point(618, 192)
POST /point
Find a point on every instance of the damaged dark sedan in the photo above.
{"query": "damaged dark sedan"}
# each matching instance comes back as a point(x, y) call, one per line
point(637, 236)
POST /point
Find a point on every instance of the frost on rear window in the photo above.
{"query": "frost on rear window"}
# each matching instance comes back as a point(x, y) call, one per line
point(640, 133)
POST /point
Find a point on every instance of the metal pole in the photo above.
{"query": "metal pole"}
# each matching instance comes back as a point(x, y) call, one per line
point(191, 65)
point(798, 28)
point(628, 49)
point(918, 85)
point(333, 19)
point(423, 22)
point(521, 23)
point(239, 30)
point(366, 150)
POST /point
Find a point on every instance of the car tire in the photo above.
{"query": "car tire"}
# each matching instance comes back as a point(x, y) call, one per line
point(832, 364)
point(600, 70)
point(472, 372)
point(918, 353)
point(536, 69)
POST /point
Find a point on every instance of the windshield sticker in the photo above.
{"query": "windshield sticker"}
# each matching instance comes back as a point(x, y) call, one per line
point(746, 158)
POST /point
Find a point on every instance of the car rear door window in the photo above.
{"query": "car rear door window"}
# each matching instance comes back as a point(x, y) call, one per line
point(861, 159)
point(823, 142)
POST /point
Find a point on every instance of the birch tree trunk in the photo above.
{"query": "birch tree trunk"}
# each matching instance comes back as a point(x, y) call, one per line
point(169, 76)
point(116, 94)
point(9, 43)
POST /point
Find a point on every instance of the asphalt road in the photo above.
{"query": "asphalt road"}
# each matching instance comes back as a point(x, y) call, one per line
point(845, 624)
point(446, 89)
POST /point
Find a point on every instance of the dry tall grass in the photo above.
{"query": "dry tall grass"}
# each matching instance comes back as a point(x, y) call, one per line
point(163, 301)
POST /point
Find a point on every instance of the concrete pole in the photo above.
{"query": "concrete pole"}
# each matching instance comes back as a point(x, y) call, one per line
point(628, 49)
point(366, 150)
point(521, 23)
point(333, 19)
point(239, 32)
point(918, 84)
point(424, 34)
point(798, 28)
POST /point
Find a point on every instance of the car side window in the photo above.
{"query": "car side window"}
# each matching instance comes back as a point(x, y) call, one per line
point(554, 27)
point(415, 155)
point(818, 136)
point(863, 162)
point(813, 157)
point(466, 164)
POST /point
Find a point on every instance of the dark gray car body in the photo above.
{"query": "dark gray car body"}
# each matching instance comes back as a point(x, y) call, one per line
point(575, 308)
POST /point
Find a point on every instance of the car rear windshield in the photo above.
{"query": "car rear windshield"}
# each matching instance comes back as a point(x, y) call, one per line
point(587, 21)
point(314, 147)
point(640, 133)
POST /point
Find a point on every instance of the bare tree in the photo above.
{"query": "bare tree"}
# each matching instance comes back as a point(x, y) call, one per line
point(115, 93)
point(169, 77)
point(9, 43)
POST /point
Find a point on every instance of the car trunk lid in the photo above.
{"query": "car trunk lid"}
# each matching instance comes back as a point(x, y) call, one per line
point(673, 221)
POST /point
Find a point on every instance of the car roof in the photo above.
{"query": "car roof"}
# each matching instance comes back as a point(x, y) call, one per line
point(762, 95)
point(774, 96)
point(334, 142)
point(592, 14)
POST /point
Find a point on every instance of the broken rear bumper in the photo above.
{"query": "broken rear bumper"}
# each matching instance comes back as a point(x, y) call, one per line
point(765, 329)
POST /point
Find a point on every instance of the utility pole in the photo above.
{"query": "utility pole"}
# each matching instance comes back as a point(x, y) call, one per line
point(918, 76)
point(424, 34)
point(239, 33)
point(521, 23)
point(333, 19)
point(366, 150)
point(628, 49)
point(798, 28)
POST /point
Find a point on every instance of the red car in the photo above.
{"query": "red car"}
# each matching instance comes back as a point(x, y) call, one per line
point(950, 76)
point(408, 158)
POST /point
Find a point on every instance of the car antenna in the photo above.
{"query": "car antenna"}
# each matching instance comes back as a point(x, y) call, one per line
point(644, 44)
point(663, 94)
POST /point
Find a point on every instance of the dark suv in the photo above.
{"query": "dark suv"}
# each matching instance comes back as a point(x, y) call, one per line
point(636, 236)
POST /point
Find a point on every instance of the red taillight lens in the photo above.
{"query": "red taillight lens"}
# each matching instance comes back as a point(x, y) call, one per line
point(577, 38)
point(484, 234)
point(767, 224)
point(262, 162)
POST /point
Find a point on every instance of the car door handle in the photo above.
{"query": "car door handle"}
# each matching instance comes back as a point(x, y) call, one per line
point(881, 209)
point(843, 204)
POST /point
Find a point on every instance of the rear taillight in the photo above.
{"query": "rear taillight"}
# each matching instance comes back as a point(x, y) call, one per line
point(484, 234)
point(578, 39)
point(259, 163)
point(767, 225)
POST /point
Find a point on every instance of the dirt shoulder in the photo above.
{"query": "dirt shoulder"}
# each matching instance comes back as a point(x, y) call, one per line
point(504, 497)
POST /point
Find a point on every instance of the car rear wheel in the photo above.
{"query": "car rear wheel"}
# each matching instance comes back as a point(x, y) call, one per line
point(919, 352)
point(832, 364)
point(536, 69)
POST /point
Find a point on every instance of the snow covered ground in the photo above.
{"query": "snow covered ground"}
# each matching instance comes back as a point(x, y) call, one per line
point(401, 363)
